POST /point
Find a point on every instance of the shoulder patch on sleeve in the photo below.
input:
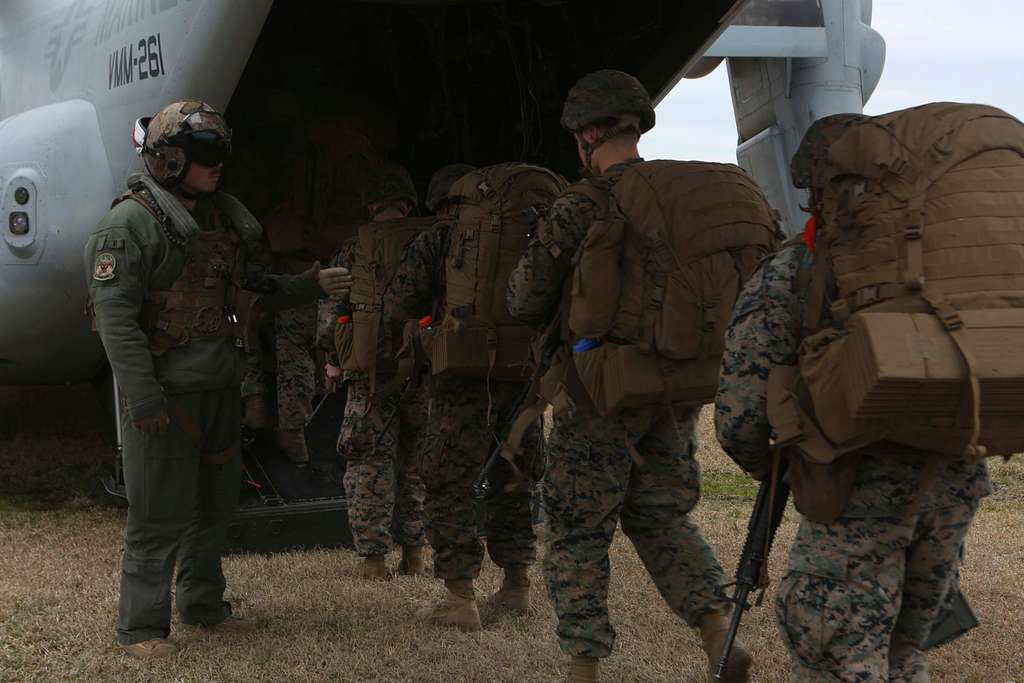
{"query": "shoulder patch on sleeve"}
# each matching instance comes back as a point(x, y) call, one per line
point(104, 267)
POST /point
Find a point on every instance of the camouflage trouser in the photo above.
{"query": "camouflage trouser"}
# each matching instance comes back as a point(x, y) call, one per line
point(855, 587)
point(463, 443)
point(383, 487)
point(590, 483)
point(294, 338)
point(253, 382)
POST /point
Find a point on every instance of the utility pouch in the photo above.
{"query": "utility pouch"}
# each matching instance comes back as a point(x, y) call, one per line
point(461, 350)
point(597, 280)
point(365, 334)
point(344, 340)
point(697, 306)
point(247, 312)
point(617, 377)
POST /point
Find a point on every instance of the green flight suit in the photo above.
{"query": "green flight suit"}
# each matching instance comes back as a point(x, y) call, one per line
point(182, 485)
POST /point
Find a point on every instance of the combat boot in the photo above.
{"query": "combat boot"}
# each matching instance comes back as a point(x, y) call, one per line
point(373, 568)
point(293, 443)
point(713, 630)
point(233, 624)
point(257, 415)
point(156, 648)
point(458, 608)
point(413, 561)
point(582, 669)
point(514, 594)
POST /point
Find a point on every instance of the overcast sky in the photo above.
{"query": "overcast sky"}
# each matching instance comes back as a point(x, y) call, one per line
point(959, 50)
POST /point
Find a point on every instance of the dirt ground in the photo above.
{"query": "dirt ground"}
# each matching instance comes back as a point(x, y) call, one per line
point(59, 566)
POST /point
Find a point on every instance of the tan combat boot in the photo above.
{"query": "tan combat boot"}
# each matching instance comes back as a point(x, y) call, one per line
point(373, 568)
point(514, 594)
point(458, 609)
point(257, 415)
point(293, 443)
point(713, 629)
point(582, 669)
point(413, 561)
point(157, 648)
point(233, 624)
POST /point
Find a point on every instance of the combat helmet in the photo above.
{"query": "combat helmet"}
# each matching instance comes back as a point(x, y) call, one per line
point(813, 149)
point(391, 182)
point(442, 181)
point(607, 94)
point(180, 134)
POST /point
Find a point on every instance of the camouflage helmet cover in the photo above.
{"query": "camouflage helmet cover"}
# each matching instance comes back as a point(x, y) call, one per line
point(607, 94)
point(167, 132)
point(391, 182)
point(442, 181)
point(813, 148)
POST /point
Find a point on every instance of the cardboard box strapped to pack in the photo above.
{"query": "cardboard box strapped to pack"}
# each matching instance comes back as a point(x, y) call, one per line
point(895, 363)
point(501, 353)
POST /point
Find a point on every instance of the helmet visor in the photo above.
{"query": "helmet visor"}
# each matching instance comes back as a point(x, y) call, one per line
point(207, 148)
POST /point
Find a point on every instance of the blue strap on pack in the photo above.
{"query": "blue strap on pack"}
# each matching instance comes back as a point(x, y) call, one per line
point(586, 344)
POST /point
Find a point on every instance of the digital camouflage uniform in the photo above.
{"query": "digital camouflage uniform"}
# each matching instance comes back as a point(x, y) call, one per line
point(591, 482)
point(182, 485)
point(383, 489)
point(466, 413)
point(294, 340)
point(861, 594)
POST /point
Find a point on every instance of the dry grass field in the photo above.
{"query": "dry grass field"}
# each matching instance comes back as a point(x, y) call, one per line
point(58, 590)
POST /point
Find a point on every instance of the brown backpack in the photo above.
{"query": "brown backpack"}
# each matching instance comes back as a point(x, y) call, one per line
point(656, 280)
point(497, 208)
point(378, 252)
point(920, 252)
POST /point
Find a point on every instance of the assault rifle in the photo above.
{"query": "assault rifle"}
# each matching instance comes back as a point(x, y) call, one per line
point(550, 343)
point(764, 522)
point(392, 415)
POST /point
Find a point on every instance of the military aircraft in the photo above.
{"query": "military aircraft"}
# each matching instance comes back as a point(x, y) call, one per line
point(313, 88)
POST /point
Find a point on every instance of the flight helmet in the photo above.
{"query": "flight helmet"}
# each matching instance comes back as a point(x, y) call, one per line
point(180, 134)
point(442, 181)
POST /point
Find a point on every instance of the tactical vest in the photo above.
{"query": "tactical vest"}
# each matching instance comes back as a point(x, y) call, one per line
point(361, 344)
point(920, 254)
point(656, 279)
point(497, 210)
point(207, 299)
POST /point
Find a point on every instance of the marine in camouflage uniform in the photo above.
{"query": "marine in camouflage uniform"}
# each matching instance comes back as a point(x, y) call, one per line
point(383, 488)
point(164, 270)
point(862, 593)
point(636, 467)
point(464, 418)
point(291, 334)
point(294, 340)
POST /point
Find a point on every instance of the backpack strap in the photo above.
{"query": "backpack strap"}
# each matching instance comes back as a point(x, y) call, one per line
point(597, 190)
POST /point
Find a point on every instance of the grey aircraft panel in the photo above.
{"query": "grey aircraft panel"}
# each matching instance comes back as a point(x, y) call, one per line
point(73, 76)
point(790, 63)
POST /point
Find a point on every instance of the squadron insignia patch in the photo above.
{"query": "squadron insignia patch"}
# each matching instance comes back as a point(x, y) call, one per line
point(104, 268)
